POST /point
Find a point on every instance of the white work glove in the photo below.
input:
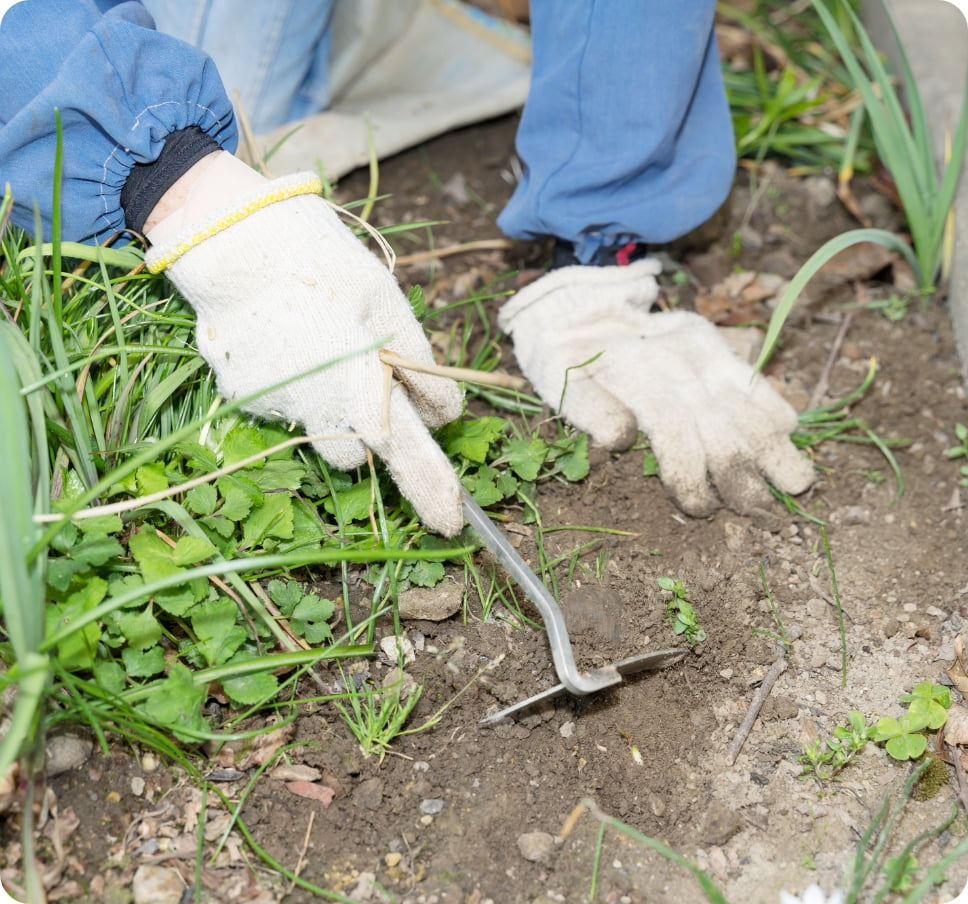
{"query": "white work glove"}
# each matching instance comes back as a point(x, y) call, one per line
point(281, 286)
point(716, 426)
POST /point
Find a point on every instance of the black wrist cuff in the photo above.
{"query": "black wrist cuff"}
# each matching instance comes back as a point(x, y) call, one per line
point(147, 182)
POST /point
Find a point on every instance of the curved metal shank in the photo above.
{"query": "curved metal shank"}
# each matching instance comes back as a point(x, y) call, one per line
point(579, 683)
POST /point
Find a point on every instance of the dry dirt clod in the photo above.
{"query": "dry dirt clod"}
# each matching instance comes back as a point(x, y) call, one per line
point(431, 603)
point(67, 751)
point(536, 846)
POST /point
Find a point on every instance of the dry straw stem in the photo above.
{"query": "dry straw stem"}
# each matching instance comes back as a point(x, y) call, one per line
point(419, 257)
point(465, 374)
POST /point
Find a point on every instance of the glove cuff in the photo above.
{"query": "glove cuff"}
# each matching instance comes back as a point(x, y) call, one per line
point(161, 257)
point(587, 284)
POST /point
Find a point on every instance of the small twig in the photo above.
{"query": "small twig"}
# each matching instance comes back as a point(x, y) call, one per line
point(955, 755)
point(301, 862)
point(468, 375)
point(418, 257)
point(756, 704)
point(823, 384)
point(254, 153)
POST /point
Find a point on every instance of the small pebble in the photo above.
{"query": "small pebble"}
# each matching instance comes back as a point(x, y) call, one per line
point(137, 785)
point(149, 761)
point(426, 820)
point(431, 806)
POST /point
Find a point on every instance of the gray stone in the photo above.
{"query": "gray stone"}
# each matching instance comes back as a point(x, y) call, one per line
point(154, 884)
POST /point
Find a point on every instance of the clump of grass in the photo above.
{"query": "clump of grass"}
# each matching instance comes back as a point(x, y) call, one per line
point(904, 142)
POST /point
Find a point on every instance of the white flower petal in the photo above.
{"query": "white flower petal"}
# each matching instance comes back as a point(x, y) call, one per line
point(813, 894)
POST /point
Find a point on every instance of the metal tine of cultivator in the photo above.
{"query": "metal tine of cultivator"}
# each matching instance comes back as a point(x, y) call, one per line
point(573, 680)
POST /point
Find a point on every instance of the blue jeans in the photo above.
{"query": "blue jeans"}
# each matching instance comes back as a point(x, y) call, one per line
point(626, 133)
point(121, 88)
point(274, 54)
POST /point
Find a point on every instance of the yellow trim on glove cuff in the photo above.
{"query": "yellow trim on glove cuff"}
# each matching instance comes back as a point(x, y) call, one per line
point(279, 190)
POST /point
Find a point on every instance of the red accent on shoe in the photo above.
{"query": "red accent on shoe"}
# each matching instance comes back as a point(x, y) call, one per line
point(623, 254)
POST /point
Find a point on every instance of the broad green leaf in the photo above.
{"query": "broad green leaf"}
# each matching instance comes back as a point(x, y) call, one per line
point(104, 525)
point(247, 690)
point(310, 618)
point(930, 712)
point(426, 574)
point(97, 550)
point(151, 479)
point(156, 560)
point(143, 663)
point(526, 456)
point(218, 635)
point(885, 728)
point(60, 572)
point(907, 746)
point(471, 439)
point(199, 458)
point(507, 484)
point(240, 495)
point(139, 627)
point(285, 594)
point(176, 703)
point(201, 500)
point(482, 486)
point(221, 527)
point(574, 464)
point(354, 503)
point(109, 675)
point(278, 475)
point(243, 441)
point(189, 550)
point(271, 519)
point(77, 650)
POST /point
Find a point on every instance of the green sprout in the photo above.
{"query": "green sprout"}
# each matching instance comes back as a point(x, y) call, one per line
point(960, 451)
point(825, 759)
point(904, 737)
point(681, 614)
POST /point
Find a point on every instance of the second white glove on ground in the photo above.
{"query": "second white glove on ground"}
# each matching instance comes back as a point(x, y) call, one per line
point(585, 339)
point(281, 286)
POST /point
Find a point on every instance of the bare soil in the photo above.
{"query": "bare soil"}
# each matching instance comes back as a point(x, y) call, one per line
point(449, 814)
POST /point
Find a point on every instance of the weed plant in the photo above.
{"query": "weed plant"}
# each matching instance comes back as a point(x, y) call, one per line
point(904, 143)
point(158, 541)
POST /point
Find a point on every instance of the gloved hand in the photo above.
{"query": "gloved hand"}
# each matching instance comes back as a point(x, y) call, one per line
point(716, 426)
point(281, 286)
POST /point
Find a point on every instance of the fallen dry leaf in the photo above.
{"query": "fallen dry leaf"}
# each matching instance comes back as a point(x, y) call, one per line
point(957, 671)
point(323, 793)
point(735, 299)
point(956, 726)
point(860, 261)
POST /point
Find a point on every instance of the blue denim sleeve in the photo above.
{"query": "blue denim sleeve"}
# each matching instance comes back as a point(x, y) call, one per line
point(120, 86)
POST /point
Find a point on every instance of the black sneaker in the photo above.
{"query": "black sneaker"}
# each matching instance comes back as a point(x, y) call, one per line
point(619, 255)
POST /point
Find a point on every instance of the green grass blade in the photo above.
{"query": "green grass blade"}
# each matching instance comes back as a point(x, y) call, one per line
point(816, 260)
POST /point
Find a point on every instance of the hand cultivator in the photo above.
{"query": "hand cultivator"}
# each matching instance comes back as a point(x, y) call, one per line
point(571, 679)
